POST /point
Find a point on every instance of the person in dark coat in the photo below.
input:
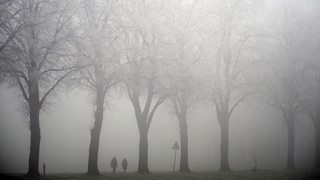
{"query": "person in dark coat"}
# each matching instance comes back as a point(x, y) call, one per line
point(114, 164)
point(124, 165)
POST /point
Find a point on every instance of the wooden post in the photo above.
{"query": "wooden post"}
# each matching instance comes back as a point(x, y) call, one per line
point(44, 169)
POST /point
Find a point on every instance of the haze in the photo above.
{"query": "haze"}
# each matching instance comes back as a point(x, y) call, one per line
point(185, 40)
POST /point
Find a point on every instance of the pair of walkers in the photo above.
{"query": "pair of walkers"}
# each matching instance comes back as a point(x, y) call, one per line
point(114, 164)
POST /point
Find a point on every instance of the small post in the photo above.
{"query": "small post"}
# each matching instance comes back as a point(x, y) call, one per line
point(44, 169)
point(175, 147)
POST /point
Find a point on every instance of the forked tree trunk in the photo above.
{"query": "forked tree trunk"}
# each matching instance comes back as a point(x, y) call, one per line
point(34, 107)
point(95, 134)
point(184, 164)
point(144, 118)
point(224, 146)
point(290, 158)
point(143, 152)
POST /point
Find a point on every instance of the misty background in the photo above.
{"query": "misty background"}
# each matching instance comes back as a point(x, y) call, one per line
point(257, 130)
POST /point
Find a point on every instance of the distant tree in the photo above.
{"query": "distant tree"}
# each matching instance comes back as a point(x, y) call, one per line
point(97, 48)
point(313, 108)
point(284, 81)
point(146, 95)
point(143, 70)
point(37, 58)
point(183, 96)
point(311, 99)
point(284, 95)
point(227, 49)
point(182, 55)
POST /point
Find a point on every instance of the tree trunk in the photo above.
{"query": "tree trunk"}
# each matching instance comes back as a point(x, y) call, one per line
point(143, 152)
point(34, 107)
point(95, 134)
point(184, 165)
point(290, 158)
point(224, 146)
point(317, 146)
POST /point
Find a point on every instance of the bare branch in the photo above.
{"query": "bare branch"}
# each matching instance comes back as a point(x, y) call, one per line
point(159, 101)
point(11, 37)
point(238, 102)
point(24, 93)
point(62, 69)
point(54, 86)
point(149, 100)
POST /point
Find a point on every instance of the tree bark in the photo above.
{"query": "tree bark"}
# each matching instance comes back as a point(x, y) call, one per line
point(34, 108)
point(290, 158)
point(143, 152)
point(184, 165)
point(95, 134)
point(224, 146)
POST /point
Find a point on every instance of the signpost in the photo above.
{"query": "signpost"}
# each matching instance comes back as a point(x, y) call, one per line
point(175, 147)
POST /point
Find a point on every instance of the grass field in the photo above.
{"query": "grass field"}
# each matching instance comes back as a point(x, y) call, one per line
point(236, 175)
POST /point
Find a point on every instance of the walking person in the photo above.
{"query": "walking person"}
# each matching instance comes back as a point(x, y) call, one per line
point(114, 164)
point(124, 165)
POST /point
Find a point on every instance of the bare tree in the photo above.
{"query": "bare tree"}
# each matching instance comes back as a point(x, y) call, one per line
point(96, 46)
point(313, 108)
point(284, 95)
point(284, 80)
point(184, 94)
point(311, 95)
point(37, 58)
point(311, 69)
point(146, 95)
point(226, 48)
point(143, 71)
point(182, 55)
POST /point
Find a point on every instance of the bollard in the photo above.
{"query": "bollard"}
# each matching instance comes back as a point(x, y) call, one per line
point(44, 169)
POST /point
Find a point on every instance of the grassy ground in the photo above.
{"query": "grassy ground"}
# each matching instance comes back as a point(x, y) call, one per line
point(236, 175)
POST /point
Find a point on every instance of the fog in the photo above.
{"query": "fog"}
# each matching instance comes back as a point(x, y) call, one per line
point(258, 128)
point(255, 132)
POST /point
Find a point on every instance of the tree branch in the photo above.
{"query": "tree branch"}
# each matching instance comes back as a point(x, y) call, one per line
point(146, 108)
point(150, 117)
point(62, 69)
point(238, 102)
point(313, 118)
point(25, 96)
point(54, 86)
point(10, 38)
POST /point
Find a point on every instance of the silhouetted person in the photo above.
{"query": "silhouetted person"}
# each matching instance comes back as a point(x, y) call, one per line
point(114, 164)
point(124, 165)
point(255, 166)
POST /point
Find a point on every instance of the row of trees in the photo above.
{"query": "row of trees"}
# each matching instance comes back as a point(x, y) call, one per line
point(181, 52)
